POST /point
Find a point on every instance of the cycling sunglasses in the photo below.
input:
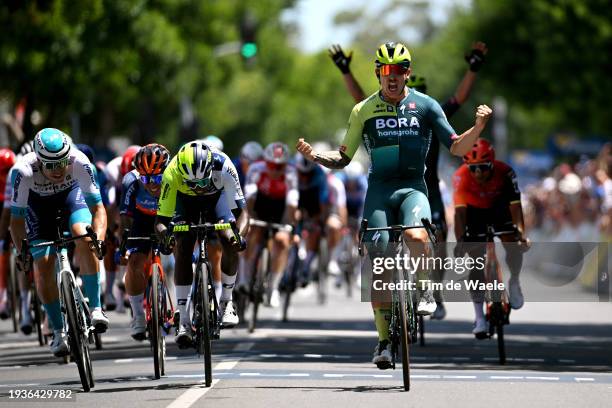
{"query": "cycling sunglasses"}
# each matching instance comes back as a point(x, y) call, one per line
point(480, 166)
point(151, 179)
point(395, 69)
point(201, 183)
point(54, 165)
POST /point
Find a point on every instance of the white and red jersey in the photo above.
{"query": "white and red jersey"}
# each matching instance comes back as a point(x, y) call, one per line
point(337, 193)
point(112, 172)
point(258, 181)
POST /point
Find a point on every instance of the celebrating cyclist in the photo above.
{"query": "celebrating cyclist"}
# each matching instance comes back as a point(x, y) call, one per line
point(201, 182)
point(138, 208)
point(272, 196)
point(487, 193)
point(475, 59)
point(57, 178)
point(395, 125)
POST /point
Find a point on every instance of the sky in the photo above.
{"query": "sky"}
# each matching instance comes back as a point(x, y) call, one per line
point(315, 19)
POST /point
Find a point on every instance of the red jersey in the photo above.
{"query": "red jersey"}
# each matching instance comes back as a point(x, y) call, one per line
point(500, 189)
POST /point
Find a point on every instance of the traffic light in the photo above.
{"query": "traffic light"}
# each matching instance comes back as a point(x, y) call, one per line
point(248, 47)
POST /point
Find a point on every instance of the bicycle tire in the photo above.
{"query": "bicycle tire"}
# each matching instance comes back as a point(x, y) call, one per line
point(291, 282)
point(97, 340)
point(258, 286)
point(404, 339)
point(78, 346)
point(37, 318)
point(205, 333)
point(421, 331)
point(14, 298)
point(322, 264)
point(156, 338)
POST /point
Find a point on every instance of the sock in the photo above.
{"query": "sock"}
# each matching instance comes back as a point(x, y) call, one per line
point(91, 284)
point(136, 303)
point(183, 293)
point(228, 286)
point(26, 298)
point(275, 278)
point(478, 310)
point(54, 313)
point(218, 289)
point(382, 318)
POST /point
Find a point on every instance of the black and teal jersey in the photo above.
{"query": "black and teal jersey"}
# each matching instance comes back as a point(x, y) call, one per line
point(397, 138)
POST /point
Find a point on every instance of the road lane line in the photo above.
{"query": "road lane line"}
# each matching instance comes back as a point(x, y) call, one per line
point(506, 377)
point(460, 377)
point(299, 375)
point(124, 360)
point(229, 365)
point(581, 379)
point(543, 378)
point(250, 374)
point(189, 397)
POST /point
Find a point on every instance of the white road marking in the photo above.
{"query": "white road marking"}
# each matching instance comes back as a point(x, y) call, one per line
point(124, 360)
point(424, 376)
point(18, 385)
point(460, 377)
point(250, 374)
point(18, 344)
point(189, 397)
point(313, 355)
point(299, 375)
point(228, 365)
point(543, 378)
point(581, 379)
point(506, 377)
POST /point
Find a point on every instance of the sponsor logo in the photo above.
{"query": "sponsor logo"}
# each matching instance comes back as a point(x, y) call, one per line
point(90, 172)
point(166, 188)
point(411, 105)
point(394, 123)
point(390, 108)
point(16, 186)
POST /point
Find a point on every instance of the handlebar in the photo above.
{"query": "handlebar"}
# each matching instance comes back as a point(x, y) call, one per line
point(272, 225)
point(63, 241)
point(427, 225)
point(125, 238)
point(491, 233)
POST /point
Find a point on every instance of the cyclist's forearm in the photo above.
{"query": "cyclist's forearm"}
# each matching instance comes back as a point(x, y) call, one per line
point(126, 222)
point(464, 142)
point(243, 223)
point(465, 87)
point(18, 231)
point(99, 220)
point(332, 159)
point(516, 212)
point(353, 87)
point(289, 217)
point(460, 219)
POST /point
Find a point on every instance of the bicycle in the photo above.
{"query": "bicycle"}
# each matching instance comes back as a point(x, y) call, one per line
point(206, 318)
point(73, 305)
point(290, 279)
point(403, 325)
point(259, 279)
point(13, 294)
point(498, 305)
point(159, 311)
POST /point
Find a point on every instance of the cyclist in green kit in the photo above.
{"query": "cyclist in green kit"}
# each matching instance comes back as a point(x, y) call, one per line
point(395, 125)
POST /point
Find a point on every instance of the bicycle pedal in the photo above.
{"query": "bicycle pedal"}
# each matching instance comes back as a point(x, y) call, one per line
point(100, 328)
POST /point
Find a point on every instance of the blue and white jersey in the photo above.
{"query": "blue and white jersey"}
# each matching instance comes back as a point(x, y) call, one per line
point(28, 180)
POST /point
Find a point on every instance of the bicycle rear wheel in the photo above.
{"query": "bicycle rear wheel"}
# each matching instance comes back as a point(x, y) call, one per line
point(421, 331)
point(157, 339)
point(405, 331)
point(205, 335)
point(258, 286)
point(79, 345)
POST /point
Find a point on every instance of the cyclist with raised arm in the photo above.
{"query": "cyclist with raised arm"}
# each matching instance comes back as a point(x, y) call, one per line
point(487, 193)
point(475, 59)
point(395, 125)
point(138, 208)
point(58, 178)
point(200, 184)
point(272, 196)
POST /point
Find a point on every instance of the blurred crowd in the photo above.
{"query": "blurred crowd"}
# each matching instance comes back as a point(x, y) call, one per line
point(573, 203)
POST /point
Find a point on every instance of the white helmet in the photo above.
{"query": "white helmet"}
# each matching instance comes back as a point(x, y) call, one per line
point(214, 142)
point(252, 151)
point(51, 145)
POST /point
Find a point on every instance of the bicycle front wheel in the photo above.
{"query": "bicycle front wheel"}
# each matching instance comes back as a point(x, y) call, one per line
point(204, 329)
point(37, 317)
point(404, 333)
point(157, 339)
point(79, 345)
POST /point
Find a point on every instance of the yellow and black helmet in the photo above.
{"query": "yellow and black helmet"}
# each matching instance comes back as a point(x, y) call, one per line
point(417, 82)
point(393, 53)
